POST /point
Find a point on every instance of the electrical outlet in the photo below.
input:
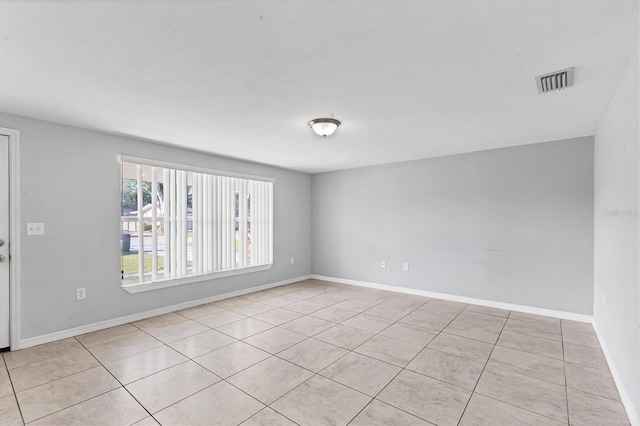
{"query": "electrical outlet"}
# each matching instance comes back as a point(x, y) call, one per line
point(405, 266)
point(35, 228)
point(383, 264)
point(81, 293)
point(293, 260)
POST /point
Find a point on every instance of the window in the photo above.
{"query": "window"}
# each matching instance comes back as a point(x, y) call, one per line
point(182, 225)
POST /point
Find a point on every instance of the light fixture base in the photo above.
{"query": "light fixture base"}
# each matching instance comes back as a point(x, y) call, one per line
point(324, 126)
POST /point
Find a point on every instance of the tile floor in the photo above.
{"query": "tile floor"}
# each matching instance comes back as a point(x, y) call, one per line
point(314, 353)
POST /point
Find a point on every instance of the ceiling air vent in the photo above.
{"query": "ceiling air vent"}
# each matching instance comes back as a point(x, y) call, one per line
point(555, 81)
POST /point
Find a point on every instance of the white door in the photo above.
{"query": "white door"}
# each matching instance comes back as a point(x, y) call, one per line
point(4, 241)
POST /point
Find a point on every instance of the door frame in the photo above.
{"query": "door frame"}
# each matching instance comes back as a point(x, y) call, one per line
point(14, 235)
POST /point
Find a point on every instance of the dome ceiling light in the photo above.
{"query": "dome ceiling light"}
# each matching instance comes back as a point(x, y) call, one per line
point(324, 126)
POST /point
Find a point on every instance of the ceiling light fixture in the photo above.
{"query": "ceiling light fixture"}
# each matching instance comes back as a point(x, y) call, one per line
point(324, 126)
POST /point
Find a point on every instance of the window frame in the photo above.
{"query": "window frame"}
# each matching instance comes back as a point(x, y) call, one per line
point(191, 279)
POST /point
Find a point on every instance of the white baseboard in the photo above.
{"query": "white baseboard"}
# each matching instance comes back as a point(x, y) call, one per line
point(624, 395)
point(76, 331)
point(101, 325)
point(463, 299)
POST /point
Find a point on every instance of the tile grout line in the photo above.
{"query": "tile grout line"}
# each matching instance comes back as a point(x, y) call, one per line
point(448, 353)
point(167, 343)
point(275, 356)
point(271, 355)
point(548, 381)
point(149, 350)
point(318, 373)
point(564, 370)
point(520, 408)
point(416, 372)
point(594, 394)
point(266, 407)
point(73, 405)
point(253, 397)
point(68, 375)
point(189, 358)
point(403, 368)
point(116, 379)
point(159, 371)
point(56, 379)
point(13, 389)
point(494, 345)
point(376, 334)
point(496, 399)
point(483, 368)
point(184, 362)
point(280, 307)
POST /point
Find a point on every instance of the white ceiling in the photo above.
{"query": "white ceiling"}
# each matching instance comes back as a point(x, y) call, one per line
point(409, 80)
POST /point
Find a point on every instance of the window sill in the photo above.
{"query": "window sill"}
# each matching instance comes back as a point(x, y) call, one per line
point(137, 287)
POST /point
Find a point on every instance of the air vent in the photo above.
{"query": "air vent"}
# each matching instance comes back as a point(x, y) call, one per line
point(555, 81)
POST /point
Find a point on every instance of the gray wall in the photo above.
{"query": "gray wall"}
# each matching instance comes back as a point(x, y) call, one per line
point(511, 225)
point(616, 291)
point(70, 180)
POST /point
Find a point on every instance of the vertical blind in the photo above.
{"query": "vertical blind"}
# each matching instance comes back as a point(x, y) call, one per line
point(177, 223)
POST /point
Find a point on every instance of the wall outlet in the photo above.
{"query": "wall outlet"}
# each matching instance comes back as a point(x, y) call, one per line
point(293, 260)
point(81, 293)
point(35, 228)
point(405, 266)
point(383, 264)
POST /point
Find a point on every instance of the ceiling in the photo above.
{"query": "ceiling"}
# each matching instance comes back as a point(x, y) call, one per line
point(409, 80)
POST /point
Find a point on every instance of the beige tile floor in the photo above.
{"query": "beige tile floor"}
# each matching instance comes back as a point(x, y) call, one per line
point(314, 353)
